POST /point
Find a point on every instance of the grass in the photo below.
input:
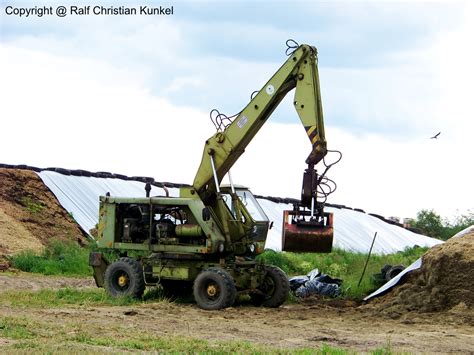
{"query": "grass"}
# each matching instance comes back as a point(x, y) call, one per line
point(17, 328)
point(193, 345)
point(31, 205)
point(47, 298)
point(71, 335)
point(41, 336)
point(59, 258)
point(65, 258)
point(342, 264)
point(174, 344)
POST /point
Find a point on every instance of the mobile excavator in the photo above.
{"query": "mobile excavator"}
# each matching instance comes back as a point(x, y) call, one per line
point(207, 239)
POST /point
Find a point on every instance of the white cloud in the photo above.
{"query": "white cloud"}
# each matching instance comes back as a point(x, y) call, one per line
point(68, 113)
point(455, 57)
point(185, 58)
point(399, 101)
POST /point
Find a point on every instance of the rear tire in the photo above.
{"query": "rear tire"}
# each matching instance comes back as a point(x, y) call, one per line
point(124, 277)
point(214, 289)
point(274, 289)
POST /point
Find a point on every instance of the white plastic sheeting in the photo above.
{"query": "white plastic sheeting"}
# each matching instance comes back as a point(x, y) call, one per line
point(353, 230)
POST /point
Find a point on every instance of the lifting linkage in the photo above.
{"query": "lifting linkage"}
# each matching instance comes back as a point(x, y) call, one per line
point(222, 150)
point(300, 72)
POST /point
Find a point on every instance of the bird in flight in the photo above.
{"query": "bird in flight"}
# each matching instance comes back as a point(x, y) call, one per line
point(436, 135)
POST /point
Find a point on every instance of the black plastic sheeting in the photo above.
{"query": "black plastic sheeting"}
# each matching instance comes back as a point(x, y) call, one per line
point(315, 283)
point(98, 174)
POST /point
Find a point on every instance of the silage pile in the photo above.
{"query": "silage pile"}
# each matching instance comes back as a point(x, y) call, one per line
point(445, 282)
point(30, 215)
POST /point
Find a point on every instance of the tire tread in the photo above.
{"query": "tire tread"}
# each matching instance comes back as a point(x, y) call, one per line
point(282, 287)
point(229, 285)
point(135, 267)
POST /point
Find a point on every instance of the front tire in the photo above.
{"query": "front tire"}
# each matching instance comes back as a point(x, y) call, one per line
point(214, 289)
point(274, 289)
point(124, 277)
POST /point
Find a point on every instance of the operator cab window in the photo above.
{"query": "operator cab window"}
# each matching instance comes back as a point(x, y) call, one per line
point(250, 203)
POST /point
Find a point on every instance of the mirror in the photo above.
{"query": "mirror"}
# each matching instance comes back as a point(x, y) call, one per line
point(244, 199)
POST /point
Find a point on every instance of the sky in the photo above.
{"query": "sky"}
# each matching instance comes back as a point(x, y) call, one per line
point(132, 94)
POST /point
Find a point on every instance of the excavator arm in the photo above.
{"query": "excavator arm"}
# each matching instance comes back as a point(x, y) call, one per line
point(307, 227)
point(223, 149)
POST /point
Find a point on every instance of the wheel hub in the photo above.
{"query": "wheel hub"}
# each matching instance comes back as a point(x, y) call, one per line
point(211, 290)
point(123, 280)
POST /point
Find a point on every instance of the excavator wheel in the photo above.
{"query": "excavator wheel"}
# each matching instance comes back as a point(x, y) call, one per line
point(214, 289)
point(274, 289)
point(124, 277)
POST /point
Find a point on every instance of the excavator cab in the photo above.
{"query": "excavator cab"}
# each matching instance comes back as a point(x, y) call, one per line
point(262, 223)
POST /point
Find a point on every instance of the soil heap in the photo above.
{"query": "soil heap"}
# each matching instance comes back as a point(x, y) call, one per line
point(30, 215)
point(444, 283)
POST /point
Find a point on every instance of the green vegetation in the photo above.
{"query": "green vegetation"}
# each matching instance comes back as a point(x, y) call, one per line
point(432, 224)
point(72, 336)
point(342, 264)
point(193, 345)
point(174, 344)
point(59, 258)
point(48, 298)
point(31, 205)
point(16, 328)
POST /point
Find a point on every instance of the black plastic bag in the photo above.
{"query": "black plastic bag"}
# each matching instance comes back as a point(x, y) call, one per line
point(315, 283)
point(314, 287)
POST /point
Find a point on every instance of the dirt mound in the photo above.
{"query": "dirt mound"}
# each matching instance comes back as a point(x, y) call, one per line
point(444, 283)
point(30, 215)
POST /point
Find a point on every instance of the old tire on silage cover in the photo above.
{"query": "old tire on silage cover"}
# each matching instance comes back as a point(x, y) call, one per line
point(214, 289)
point(275, 288)
point(394, 271)
point(124, 277)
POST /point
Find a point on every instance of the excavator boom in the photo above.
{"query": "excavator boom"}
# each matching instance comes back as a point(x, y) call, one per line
point(221, 151)
point(300, 71)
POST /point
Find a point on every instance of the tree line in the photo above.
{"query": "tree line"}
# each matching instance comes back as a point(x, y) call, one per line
point(430, 223)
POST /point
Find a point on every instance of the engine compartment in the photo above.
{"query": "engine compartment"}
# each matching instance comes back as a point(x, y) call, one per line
point(157, 224)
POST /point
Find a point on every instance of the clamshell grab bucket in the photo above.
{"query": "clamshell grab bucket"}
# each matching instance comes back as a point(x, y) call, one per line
point(301, 236)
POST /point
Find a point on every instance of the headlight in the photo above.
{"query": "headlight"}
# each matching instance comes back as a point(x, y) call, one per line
point(252, 248)
point(220, 247)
